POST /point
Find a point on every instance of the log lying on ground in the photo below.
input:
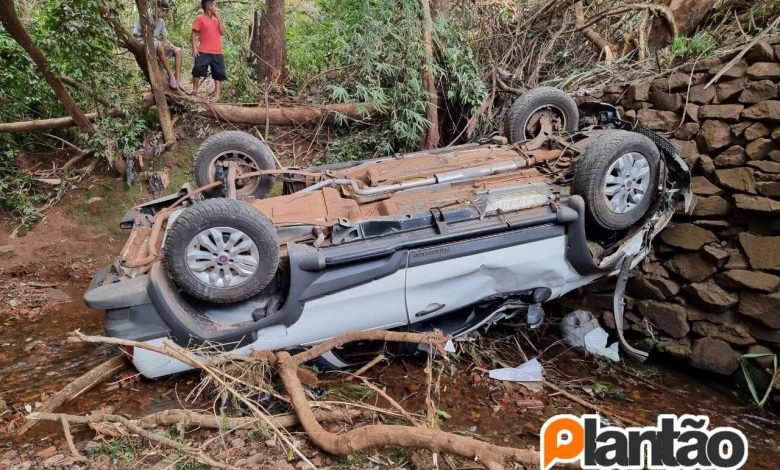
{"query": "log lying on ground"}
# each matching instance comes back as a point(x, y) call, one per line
point(277, 116)
point(211, 421)
point(52, 123)
point(77, 387)
point(283, 116)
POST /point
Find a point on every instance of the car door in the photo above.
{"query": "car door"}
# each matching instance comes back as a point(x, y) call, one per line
point(443, 278)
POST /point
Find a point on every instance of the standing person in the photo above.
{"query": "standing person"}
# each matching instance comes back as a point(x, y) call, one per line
point(163, 47)
point(208, 27)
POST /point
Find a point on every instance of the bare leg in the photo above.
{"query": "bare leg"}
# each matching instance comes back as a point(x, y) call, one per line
point(217, 89)
point(178, 65)
point(195, 84)
point(164, 61)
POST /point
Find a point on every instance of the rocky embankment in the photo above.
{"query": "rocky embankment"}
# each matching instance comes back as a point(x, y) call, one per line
point(710, 291)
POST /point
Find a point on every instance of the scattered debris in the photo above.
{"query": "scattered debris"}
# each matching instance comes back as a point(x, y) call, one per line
point(581, 330)
point(530, 371)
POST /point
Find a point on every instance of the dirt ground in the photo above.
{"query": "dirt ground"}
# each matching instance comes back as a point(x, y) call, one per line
point(43, 277)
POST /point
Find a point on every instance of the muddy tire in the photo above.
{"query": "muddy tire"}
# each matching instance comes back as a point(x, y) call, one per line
point(222, 251)
point(249, 151)
point(617, 176)
point(539, 99)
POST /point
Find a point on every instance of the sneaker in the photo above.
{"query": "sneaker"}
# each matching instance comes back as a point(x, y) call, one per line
point(173, 84)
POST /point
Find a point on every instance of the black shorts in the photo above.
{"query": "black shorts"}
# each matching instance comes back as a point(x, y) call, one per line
point(204, 61)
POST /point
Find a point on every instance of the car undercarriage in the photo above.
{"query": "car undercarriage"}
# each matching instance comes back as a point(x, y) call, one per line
point(451, 238)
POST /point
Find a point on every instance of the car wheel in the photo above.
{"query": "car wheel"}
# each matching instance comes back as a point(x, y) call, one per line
point(248, 151)
point(522, 119)
point(617, 176)
point(222, 251)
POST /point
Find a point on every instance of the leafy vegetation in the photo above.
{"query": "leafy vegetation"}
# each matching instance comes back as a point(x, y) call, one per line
point(375, 53)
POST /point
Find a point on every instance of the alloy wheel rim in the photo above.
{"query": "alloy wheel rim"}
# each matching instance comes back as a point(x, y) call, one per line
point(627, 182)
point(222, 257)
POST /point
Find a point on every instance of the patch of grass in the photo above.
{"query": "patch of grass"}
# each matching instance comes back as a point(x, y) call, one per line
point(699, 45)
point(603, 390)
point(119, 451)
point(352, 392)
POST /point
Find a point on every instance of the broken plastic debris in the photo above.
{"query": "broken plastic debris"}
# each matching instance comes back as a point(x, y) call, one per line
point(531, 371)
point(581, 330)
point(449, 347)
point(596, 343)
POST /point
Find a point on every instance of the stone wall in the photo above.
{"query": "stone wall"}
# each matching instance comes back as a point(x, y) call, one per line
point(709, 292)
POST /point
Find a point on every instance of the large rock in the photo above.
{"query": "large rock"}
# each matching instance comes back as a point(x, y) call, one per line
point(714, 355)
point(715, 254)
point(704, 164)
point(687, 236)
point(765, 111)
point(755, 92)
point(757, 203)
point(738, 179)
point(733, 333)
point(764, 71)
point(710, 206)
point(674, 82)
point(710, 295)
point(733, 156)
point(700, 95)
point(766, 166)
point(638, 92)
point(762, 252)
point(650, 286)
point(760, 52)
point(762, 333)
point(769, 188)
point(744, 279)
point(726, 112)
point(726, 90)
point(714, 135)
point(756, 130)
point(702, 187)
point(691, 266)
point(680, 348)
point(656, 120)
point(763, 307)
point(670, 318)
point(666, 101)
point(737, 70)
point(687, 131)
point(759, 148)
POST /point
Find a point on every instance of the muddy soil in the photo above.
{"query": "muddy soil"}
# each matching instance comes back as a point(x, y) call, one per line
point(41, 286)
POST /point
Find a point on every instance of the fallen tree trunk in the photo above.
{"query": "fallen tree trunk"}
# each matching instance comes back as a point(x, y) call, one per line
point(52, 123)
point(282, 116)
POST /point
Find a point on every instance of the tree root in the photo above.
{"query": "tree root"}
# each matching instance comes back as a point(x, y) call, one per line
point(366, 437)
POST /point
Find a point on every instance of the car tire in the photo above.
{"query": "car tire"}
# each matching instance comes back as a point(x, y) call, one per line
point(534, 101)
point(617, 176)
point(239, 146)
point(203, 247)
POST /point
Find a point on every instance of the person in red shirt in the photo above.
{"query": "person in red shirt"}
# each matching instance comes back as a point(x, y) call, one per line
point(208, 27)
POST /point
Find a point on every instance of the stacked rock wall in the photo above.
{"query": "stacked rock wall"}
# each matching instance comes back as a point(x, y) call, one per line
point(710, 290)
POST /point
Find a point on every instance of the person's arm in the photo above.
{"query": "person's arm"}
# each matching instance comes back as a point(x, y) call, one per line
point(193, 35)
point(219, 21)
